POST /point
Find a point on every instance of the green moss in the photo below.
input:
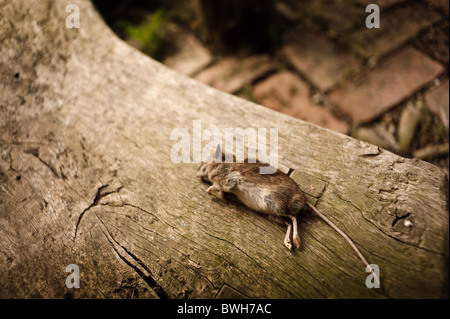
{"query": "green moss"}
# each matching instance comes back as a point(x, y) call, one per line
point(148, 33)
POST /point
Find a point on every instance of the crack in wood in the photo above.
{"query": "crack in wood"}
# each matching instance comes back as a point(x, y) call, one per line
point(319, 197)
point(290, 172)
point(98, 196)
point(397, 218)
point(149, 280)
point(35, 152)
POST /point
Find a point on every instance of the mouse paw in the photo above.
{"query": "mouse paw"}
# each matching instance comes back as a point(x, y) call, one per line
point(296, 241)
point(288, 244)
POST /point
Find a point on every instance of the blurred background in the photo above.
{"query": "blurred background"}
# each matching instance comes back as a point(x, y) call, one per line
point(311, 59)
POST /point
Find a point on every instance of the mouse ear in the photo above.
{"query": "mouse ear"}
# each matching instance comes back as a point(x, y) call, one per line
point(218, 153)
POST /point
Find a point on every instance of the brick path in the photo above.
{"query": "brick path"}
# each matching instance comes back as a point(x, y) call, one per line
point(333, 71)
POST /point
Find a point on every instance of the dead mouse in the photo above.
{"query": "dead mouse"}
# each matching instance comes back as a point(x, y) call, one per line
point(273, 194)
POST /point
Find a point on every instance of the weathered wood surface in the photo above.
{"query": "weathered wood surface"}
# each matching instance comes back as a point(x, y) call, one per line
point(86, 179)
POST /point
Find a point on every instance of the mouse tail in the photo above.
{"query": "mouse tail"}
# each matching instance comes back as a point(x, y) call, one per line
point(329, 222)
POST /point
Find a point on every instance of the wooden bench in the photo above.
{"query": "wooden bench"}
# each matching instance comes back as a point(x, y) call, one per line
point(86, 179)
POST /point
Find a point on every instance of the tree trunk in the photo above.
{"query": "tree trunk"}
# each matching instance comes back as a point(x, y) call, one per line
point(86, 178)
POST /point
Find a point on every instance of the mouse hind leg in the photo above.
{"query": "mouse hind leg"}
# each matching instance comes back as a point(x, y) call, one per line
point(287, 238)
point(296, 205)
point(291, 228)
point(295, 236)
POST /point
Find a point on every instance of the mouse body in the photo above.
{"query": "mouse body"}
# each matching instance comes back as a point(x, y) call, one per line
point(273, 194)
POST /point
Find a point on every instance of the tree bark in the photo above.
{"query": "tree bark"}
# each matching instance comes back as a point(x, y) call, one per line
point(86, 179)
